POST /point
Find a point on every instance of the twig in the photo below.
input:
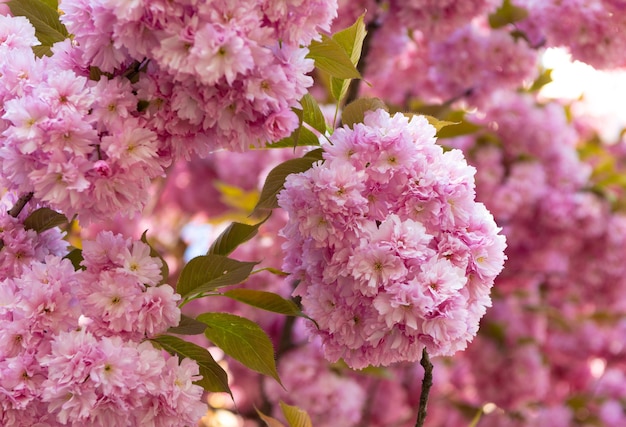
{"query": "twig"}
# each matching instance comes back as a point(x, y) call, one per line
point(427, 383)
point(19, 205)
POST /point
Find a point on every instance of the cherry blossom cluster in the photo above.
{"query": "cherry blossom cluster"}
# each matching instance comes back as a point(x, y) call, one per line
point(331, 399)
point(19, 246)
point(71, 350)
point(470, 63)
point(391, 249)
point(437, 19)
point(72, 142)
point(90, 145)
point(564, 272)
point(592, 31)
point(218, 74)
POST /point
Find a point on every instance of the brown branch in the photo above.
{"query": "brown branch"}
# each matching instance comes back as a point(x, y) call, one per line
point(427, 383)
point(19, 205)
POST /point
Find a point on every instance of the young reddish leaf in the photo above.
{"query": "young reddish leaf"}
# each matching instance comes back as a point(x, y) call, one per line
point(243, 340)
point(44, 219)
point(214, 378)
point(209, 272)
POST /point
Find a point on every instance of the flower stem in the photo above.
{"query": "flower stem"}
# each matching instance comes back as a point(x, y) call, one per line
point(427, 382)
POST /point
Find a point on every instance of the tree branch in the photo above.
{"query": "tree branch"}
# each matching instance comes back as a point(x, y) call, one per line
point(427, 383)
point(19, 205)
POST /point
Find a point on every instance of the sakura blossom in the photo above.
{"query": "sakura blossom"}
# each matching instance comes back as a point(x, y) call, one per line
point(73, 347)
point(374, 270)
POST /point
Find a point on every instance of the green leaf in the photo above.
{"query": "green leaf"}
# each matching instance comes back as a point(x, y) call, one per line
point(544, 78)
point(41, 51)
point(44, 219)
point(301, 137)
point(457, 129)
point(355, 111)
point(439, 124)
point(339, 88)
point(243, 340)
point(214, 378)
point(269, 421)
point(209, 272)
point(265, 300)
point(165, 270)
point(52, 4)
point(295, 416)
point(332, 58)
point(187, 326)
point(476, 418)
point(311, 113)
point(351, 40)
point(317, 154)
point(234, 235)
point(453, 125)
point(506, 14)
point(76, 257)
point(304, 137)
point(371, 371)
point(435, 110)
point(275, 181)
point(44, 17)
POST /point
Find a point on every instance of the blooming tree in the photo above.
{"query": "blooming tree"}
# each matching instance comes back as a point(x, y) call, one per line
point(149, 278)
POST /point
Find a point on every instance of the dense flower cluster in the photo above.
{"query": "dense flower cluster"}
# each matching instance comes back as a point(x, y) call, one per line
point(218, 74)
point(437, 19)
point(393, 252)
point(468, 64)
point(564, 272)
point(70, 342)
point(71, 141)
point(181, 79)
point(313, 386)
point(593, 31)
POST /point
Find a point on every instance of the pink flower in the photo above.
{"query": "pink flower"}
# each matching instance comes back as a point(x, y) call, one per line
point(159, 311)
point(220, 53)
point(16, 33)
point(136, 261)
point(279, 124)
point(373, 267)
point(386, 279)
